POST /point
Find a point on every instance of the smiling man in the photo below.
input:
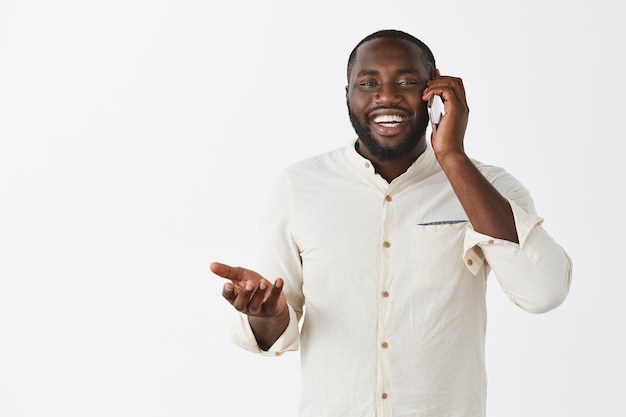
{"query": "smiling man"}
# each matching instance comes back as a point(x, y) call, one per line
point(385, 101)
point(381, 251)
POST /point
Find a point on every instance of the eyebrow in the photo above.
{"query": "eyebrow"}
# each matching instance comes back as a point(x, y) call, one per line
point(399, 72)
point(408, 71)
point(367, 72)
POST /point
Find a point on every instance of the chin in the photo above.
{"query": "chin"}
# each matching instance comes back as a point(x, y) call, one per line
point(390, 152)
point(389, 148)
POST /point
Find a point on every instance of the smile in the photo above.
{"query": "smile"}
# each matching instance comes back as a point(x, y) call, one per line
point(388, 120)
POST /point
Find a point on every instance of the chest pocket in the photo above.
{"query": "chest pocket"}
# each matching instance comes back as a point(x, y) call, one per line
point(441, 223)
point(437, 250)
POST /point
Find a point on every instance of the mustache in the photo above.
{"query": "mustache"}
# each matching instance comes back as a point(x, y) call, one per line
point(402, 109)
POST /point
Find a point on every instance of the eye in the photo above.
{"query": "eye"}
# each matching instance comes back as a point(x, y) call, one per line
point(408, 82)
point(368, 83)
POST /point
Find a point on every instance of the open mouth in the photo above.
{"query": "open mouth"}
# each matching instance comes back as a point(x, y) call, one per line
point(388, 124)
point(388, 120)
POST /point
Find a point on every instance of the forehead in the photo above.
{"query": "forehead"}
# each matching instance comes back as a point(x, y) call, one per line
point(389, 53)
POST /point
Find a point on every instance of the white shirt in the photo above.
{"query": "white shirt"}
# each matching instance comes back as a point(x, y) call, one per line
point(393, 278)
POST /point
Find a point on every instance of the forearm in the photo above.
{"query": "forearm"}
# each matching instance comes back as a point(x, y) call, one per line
point(268, 330)
point(535, 276)
point(487, 210)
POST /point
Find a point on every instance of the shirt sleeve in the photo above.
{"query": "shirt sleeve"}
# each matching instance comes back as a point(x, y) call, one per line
point(280, 259)
point(240, 333)
point(534, 274)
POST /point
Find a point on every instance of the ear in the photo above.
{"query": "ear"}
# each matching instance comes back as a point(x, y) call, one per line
point(347, 91)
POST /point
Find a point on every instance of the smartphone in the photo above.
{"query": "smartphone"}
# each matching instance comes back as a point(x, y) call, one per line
point(435, 111)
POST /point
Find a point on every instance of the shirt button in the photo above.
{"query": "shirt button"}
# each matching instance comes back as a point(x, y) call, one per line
point(386, 244)
point(367, 165)
point(491, 242)
point(470, 262)
point(385, 294)
point(384, 395)
point(384, 345)
point(388, 198)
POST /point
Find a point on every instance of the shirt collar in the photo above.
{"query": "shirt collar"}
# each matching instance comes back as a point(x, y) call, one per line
point(423, 167)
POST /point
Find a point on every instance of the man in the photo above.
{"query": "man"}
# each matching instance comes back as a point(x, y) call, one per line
point(387, 244)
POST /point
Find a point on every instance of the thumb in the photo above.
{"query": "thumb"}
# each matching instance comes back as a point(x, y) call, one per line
point(224, 271)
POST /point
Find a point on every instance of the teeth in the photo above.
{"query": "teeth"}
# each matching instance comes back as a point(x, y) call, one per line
point(389, 118)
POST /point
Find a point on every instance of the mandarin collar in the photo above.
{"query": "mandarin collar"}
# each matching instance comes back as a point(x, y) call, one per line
point(423, 167)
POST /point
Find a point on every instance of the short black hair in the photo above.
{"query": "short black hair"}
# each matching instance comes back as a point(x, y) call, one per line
point(427, 56)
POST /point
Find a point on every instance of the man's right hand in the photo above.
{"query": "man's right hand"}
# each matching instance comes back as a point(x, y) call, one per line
point(250, 293)
point(264, 303)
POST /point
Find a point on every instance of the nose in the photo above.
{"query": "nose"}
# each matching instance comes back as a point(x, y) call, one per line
point(388, 93)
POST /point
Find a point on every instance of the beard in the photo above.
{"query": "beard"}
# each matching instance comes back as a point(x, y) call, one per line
point(415, 133)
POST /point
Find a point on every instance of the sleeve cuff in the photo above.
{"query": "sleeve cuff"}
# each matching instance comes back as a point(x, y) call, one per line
point(240, 333)
point(474, 241)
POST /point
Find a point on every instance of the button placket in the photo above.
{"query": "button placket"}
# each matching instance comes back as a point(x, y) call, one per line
point(385, 315)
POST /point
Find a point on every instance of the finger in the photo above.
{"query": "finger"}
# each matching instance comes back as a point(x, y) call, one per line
point(456, 87)
point(451, 91)
point(243, 298)
point(462, 89)
point(220, 269)
point(255, 305)
point(446, 87)
point(442, 81)
point(274, 296)
point(232, 273)
point(228, 292)
point(443, 86)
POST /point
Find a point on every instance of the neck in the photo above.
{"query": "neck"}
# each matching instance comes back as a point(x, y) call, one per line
point(391, 170)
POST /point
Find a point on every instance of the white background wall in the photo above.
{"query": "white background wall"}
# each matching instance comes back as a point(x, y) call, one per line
point(138, 140)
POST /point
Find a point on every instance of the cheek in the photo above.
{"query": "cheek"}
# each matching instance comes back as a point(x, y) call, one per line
point(420, 107)
point(416, 100)
point(358, 102)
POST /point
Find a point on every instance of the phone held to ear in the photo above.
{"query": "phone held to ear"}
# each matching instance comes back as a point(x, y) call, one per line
point(435, 111)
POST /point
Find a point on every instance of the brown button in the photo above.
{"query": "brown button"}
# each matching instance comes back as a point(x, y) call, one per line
point(385, 294)
point(384, 395)
point(470, 262)
point(386, 244)
point(490, 241)
point(388, 198)
point(384, 345)
point(367, 165)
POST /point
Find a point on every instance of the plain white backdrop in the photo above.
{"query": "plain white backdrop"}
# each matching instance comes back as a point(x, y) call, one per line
point(138, 140)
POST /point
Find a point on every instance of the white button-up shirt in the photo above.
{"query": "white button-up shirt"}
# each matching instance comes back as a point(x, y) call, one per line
point(389, 280)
